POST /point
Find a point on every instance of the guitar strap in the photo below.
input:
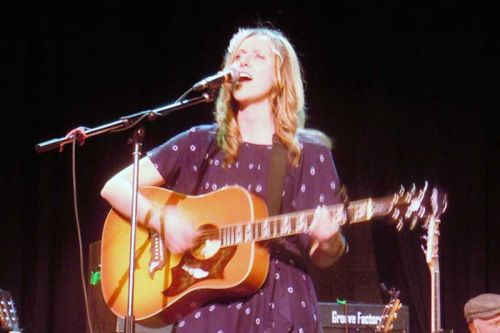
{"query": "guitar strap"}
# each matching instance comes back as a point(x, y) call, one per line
point(212, 150)
point(276, 177)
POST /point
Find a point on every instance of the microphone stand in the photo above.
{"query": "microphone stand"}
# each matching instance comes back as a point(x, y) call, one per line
point(137, 137)
point(125, 123)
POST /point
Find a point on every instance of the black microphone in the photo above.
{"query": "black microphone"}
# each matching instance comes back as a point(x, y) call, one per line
point(229, 75)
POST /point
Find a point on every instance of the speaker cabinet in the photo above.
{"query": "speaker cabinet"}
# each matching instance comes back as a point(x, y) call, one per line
point(103, 319)
point(359, 317)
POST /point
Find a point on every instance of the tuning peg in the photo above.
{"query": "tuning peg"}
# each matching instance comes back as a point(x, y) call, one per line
point(395, 199)
point(444, 203)
point(421, 212)
point(408, 196)
point(399, 226)
point(401, 190)
point(421, 195)
point(413, 223)
point(395, 214)
point(425, 225)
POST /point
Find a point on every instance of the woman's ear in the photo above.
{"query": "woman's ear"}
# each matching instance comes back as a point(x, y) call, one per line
point(472, 327)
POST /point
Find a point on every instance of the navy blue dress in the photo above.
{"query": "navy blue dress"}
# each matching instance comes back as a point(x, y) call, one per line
point(287, 301)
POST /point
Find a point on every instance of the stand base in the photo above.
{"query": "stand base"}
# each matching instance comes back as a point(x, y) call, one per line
point(120, 328)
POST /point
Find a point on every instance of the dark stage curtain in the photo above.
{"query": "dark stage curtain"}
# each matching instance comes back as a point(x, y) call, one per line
point(404, 90)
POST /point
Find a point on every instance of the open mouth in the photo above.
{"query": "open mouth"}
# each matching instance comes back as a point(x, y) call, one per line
point(244, 76)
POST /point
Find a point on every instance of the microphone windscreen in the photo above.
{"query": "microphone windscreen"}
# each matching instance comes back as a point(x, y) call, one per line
point(234, 74)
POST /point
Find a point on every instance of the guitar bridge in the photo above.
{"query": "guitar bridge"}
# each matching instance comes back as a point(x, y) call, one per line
point(157, 251)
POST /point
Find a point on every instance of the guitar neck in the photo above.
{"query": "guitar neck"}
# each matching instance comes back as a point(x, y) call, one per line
point(299, 222)
point(435, 298)
point(432, 258)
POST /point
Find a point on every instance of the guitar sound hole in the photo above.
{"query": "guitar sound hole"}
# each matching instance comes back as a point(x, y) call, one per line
point(208, 243)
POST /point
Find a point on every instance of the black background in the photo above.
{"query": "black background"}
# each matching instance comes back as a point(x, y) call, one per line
point(405, 90)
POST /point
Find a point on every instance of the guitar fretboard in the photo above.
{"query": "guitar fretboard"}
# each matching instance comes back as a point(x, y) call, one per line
point(299, 222)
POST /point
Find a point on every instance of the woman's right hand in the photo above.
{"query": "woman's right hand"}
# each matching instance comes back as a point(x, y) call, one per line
point(177, 232)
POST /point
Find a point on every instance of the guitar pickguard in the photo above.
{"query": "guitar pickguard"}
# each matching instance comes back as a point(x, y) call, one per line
point(191, 270)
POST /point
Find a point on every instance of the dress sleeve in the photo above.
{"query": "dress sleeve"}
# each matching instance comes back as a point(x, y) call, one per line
point(169, 157)
point(319, 181)
point(315, 182)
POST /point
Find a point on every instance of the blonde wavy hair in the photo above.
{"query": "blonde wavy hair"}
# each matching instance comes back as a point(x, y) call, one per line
point(287, 96)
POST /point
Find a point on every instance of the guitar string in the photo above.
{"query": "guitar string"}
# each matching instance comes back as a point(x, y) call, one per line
point(307, 213)
point(291, 216)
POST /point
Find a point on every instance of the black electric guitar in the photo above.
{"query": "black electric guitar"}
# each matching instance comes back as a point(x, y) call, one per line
point(8, 314)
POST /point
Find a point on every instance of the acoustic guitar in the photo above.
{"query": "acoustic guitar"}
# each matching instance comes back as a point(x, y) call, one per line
point(228, 260)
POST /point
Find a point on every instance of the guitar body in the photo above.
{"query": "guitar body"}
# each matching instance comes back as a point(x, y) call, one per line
point(183, 282)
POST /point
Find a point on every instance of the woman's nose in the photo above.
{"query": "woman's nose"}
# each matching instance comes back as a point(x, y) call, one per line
point(243, 61)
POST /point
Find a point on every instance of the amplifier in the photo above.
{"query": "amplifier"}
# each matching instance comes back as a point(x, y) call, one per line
point(359, 317)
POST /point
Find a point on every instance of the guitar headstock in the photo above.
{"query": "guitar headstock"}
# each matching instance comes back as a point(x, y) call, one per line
point(432, 226)
point(8, 314)
point(418, 205)
point(389, 314)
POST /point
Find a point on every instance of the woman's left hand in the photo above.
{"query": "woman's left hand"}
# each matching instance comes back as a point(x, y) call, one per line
point(324, 226)
point(324, 231)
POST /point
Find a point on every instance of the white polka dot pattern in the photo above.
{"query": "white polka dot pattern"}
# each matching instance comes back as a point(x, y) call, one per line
point(189, 160)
